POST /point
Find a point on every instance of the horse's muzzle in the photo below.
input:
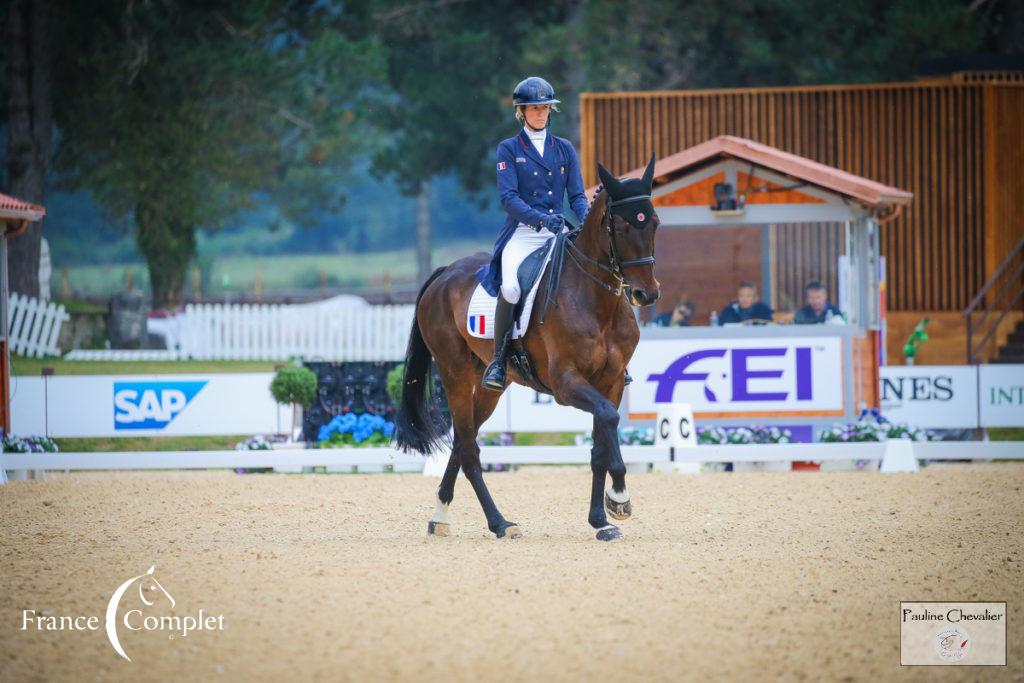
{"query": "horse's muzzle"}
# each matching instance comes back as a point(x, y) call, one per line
point(643, 297)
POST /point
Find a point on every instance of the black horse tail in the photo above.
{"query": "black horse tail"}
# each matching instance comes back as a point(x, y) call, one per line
point(415, 428)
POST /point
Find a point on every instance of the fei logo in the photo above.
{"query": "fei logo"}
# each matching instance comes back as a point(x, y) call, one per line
point(733, 365)
point(151, 405)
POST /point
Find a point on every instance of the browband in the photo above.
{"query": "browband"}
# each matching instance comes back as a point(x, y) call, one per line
point(634, 198)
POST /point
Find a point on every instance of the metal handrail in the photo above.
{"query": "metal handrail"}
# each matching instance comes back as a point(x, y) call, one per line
point(997, 303)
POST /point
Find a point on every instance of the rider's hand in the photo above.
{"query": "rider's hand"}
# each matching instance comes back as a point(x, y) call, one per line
point(552, 222)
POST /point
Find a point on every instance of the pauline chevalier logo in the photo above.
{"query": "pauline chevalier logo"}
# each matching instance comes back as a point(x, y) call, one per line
point(953, 633)
point(952, 644)
point(150, 592)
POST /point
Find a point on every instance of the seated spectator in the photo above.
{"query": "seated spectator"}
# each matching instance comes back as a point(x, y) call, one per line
point(678, 316)
point(746, 308)
point(818, 308)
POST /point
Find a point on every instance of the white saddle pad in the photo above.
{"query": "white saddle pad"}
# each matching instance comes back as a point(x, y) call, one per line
point(480, 315)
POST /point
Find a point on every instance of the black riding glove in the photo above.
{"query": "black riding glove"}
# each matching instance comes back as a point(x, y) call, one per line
point(552, 222)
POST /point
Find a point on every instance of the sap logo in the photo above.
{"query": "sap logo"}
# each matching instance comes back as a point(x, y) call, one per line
point(939, 388)
point(151, 405)
point(738, 372)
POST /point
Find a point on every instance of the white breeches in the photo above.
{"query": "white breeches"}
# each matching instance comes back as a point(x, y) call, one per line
point(522, 243)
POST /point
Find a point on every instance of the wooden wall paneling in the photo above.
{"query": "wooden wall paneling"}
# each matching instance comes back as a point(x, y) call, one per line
point(990, 173)
point(955, 274)
point(930, 138)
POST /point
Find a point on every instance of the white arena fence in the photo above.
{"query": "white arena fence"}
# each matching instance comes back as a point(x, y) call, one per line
point(330, 330)
point(34, 326)
point(894, 455)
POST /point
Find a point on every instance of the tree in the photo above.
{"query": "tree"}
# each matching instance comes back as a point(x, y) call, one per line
point(451, 68)
point(179, 115)
point(29, 126)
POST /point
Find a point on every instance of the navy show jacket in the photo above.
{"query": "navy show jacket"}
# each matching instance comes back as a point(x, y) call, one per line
point(532, 186)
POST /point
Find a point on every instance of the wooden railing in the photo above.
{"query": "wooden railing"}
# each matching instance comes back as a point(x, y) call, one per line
point(1001, 294)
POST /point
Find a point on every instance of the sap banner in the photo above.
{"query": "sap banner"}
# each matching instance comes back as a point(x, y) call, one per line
point(739, 377)
point(146, 405)
point(930, 396)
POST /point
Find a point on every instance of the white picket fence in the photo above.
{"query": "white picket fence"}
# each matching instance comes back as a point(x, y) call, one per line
point(335, 330)
point(34, 326)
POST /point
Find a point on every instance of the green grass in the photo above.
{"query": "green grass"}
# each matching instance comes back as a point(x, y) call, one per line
point(32, 367)
point(289, 271)
point(545, 438)
point(150, 443)
point(75, 306)
point(222, 443)
point(1006, 433)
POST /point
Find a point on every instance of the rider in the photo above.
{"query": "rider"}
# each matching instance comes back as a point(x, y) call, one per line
point(535, 171)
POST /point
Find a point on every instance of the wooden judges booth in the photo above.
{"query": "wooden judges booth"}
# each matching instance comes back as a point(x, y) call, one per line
point(729, 191)
point(956, 143)
point(15, 215)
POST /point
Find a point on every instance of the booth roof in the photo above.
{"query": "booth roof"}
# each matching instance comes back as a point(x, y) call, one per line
point(12, 207)
point(867, 192)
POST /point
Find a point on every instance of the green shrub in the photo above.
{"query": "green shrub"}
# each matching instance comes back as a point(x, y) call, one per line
point(294, 384)
point(394, 383)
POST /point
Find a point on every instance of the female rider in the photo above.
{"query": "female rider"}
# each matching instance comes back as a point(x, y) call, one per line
point(535, 171)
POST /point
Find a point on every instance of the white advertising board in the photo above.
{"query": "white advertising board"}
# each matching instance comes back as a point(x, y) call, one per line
point(763, 377)
point(530, 411)
point(930, 396)
point(150, 405)
point(1001, 395)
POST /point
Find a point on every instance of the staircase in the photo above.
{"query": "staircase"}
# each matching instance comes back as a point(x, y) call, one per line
point(1002, 294)
point(1013, 350)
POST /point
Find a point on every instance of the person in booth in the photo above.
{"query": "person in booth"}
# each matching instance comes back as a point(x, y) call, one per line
point(679, 316)
point(817, 310)
point(746, 308)
point(536, 170)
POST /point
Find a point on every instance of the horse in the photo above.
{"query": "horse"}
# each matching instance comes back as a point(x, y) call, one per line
point(579, 351)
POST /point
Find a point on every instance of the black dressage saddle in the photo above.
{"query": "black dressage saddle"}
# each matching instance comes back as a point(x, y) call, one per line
point(530, 270)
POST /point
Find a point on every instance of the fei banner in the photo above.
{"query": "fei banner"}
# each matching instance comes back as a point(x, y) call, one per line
point(741, 378)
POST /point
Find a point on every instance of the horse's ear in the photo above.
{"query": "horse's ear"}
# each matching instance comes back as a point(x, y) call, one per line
point(610, 182)
point(649, 173)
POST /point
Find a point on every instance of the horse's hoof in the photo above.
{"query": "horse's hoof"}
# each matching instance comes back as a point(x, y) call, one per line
point(617, 510)
point(511, 531)
point(609, 533)
point(439, 529)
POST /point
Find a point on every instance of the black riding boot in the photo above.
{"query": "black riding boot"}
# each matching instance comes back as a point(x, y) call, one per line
point(494, 375)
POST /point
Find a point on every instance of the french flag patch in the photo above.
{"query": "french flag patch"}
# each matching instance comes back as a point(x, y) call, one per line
point(502, 165)
point(477, 324)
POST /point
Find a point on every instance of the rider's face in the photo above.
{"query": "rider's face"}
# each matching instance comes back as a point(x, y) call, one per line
point(537, 115)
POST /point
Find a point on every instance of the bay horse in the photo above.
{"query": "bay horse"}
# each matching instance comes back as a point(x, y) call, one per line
point(580, 351)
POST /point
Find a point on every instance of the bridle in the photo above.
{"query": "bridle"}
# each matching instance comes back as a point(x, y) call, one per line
point(565, 244)
point(616, 264)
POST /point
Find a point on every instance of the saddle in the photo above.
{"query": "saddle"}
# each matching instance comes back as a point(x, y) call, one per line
point(480, 314)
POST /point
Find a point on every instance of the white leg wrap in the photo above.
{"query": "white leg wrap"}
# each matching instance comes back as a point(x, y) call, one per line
point(440, 513)
point(619, 497)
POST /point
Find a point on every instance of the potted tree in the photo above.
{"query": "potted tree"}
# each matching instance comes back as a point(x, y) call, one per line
point(295, 385)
